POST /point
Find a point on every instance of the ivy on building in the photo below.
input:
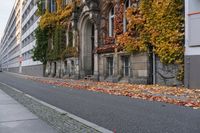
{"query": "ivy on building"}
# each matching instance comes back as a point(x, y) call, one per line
point(58, 43)
point(69, 52)
point(158, 24)
point(52, 31)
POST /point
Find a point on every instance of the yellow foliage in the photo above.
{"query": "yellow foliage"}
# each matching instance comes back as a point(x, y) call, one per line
point(164, 23)
point(56, 18)
point(130, 43)
point(130, 40)
point(159, 23)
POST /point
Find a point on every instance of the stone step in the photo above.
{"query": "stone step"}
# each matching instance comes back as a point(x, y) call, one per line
point(88, 77)
point(123, 80)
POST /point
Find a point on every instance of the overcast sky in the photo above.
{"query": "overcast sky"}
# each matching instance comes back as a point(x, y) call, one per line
point(5, 10)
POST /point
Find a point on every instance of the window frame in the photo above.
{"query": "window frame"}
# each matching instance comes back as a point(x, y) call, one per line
point(111, 21)
point(124, 14)
point(110, 66)
point(53, 5)
point(125, 66)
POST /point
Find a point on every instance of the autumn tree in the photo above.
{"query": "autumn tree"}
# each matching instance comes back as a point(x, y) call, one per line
point(40, 49)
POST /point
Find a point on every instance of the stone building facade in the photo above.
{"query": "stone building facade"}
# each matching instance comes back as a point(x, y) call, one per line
point(99, 58)
point(94, 38)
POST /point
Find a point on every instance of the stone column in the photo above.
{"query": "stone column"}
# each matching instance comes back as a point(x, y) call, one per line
point(131, 66)
point(96, 56)
point(62, 69)
point(58, 69)
point(116, 66)
point(47, 69)
point(76, 76)
point(68, 67)
point(52, 69)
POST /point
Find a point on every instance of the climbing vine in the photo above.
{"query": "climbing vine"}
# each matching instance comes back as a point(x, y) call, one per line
point(61, 15)
point(57, 23)
point(69, 52)
point(118, 19)
point(131, 40)
point(58, 44)
point(157, 23)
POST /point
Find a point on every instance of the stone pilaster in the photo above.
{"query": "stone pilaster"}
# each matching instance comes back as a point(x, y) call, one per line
point(96, 56)
point(116, 67)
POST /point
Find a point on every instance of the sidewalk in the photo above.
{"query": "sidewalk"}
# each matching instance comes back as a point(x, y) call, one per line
point(15, 118)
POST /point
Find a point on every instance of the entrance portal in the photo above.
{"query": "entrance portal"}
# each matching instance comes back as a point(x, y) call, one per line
point(88, 41)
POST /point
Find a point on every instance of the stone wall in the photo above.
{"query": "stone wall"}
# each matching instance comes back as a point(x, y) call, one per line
point(14, 69)
point(139, 68)
point(166, 74)
point(36, 70)
point(69, 68)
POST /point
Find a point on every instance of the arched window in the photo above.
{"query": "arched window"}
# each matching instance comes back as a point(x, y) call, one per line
point(111, 22)
point(127, 4)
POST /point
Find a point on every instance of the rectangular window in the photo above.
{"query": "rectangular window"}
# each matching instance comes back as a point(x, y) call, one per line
point(110, 66)
point(125, 66)
point(127, 4)
point(194, 30)
point(66, 70)
point(112, 26)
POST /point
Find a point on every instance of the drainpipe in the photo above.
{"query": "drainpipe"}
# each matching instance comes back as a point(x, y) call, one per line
point(187, 72)
point(154, 68)
point(151, 65)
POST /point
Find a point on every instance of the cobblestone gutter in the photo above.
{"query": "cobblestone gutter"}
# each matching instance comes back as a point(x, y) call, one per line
point(62, 121)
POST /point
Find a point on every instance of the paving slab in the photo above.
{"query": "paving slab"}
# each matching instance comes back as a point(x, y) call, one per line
point(5, 99)
point(14, 112)
point(15, 118)
point(26, 126)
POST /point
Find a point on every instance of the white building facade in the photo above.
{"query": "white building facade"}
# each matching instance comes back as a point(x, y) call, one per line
point(29, 24)
point(10, 42)
point(192, 43)
point(18, 39)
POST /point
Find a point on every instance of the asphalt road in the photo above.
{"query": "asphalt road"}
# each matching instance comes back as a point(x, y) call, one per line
point(124, 114)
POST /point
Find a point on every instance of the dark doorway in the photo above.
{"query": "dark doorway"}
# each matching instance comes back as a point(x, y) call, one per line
point(55, 68)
